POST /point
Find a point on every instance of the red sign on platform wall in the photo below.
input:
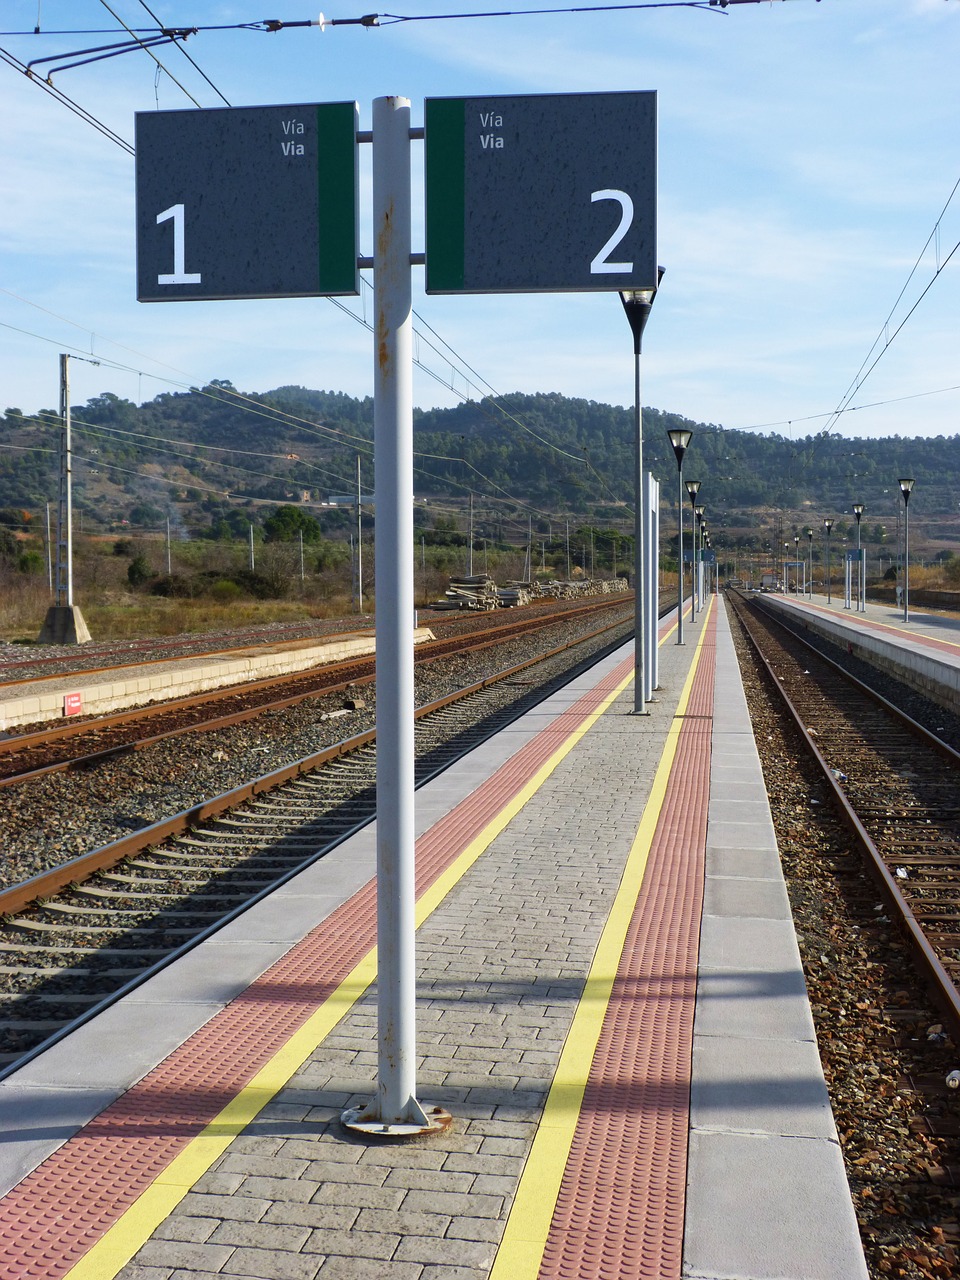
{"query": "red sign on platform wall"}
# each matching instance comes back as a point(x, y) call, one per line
point(72, 704)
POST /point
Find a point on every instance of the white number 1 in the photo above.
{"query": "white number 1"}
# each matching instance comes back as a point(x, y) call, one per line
point(600, 265)
point(179, 275)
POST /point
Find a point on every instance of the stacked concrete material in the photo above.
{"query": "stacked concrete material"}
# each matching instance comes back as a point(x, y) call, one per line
point(514, 593)
point(476, 591)
point(581, 587)
point(479, 591)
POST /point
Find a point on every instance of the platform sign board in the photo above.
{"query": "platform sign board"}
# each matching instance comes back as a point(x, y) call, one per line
point(247, 202)
point(539, 194)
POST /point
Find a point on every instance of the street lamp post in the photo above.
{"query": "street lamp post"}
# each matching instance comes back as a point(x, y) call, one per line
point(680, 440)
point(861, 575)
point(696, 561)
point(827, 526)
point(906, 488)
point(796, 557)
point(693, 488)
point(637, 304)
point(810, 562)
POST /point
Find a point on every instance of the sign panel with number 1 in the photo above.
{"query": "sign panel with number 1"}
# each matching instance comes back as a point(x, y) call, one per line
point(247, 202)
point(546, 193)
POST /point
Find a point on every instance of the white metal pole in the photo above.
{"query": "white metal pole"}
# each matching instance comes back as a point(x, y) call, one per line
point(639, 688)
point(651, 537)
point(169, 558)
point(49, 552)
point(65, 504)
point(359, 545)
point(395, 1108)
point(470, 540)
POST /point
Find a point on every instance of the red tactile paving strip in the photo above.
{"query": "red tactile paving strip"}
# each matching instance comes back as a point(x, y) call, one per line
point(60, 1210)
point(620, 1210)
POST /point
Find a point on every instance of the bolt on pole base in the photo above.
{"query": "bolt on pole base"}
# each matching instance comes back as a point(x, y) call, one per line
point(423, 1123)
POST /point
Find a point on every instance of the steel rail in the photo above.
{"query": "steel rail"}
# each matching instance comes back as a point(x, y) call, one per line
point(942, 985)
point(351, 672)
point(46, 884)
point(43, 887)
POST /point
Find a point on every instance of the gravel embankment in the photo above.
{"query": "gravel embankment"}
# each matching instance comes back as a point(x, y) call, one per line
point(66, 814)
point(876, 1026)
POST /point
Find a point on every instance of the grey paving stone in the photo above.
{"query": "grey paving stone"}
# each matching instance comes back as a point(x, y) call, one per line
point(369, 1269)
point(336, 1217)
point(242, 1208)
point(760, 1086)
point(802, 1221)
point(445, 1179)
point(264, 1264)
point(447, 1252)
point(218, 1182)
point(404, 1221)
point(262, 1235)
point(488, 1229)
point(195, 1230)
point(302, 1189)
point(454, 1203)
point(436, 1272)
point(179, 1253)
point(354, 1244)
point(360, 1197)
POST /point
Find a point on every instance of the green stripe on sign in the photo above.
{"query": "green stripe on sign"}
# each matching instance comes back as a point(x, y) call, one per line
point(444, 154)
point(337, 210)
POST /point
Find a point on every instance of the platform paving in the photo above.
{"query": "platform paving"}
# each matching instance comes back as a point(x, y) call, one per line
point(503, 963)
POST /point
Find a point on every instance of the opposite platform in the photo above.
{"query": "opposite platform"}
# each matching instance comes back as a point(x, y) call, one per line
point(561, 874)
point(923, 652)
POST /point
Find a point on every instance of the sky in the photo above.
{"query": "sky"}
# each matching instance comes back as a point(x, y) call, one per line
point(808, 155)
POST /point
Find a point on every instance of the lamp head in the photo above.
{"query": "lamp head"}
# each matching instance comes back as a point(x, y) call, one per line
point(858, 510)
point(637, 304)
point(680, 440)
point(828, 525)
point(906, 488)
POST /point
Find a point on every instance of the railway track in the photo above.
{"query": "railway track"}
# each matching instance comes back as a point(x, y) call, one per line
point(81, 935)
point(896, 785)
point(82, 743)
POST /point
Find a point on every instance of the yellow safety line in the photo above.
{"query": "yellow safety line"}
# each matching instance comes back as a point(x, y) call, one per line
point(525, 1237)
point(137, 1224)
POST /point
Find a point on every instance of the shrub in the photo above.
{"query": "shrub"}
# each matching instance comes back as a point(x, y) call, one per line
point(139, 571)
point(31, 562)
point(226, 591)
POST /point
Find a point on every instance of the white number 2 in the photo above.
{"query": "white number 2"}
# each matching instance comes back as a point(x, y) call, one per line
point(600, 265)
point(179, 275)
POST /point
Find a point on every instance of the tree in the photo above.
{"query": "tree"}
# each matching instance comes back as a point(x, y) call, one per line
point(288, 522)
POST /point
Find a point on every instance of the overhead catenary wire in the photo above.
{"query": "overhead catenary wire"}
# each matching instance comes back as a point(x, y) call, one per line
point(374, 20)
point(183, 50)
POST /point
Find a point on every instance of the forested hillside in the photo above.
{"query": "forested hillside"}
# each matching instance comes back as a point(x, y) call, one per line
point(212, 453)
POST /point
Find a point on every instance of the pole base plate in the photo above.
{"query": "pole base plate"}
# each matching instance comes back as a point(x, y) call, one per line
point(366, 1121)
